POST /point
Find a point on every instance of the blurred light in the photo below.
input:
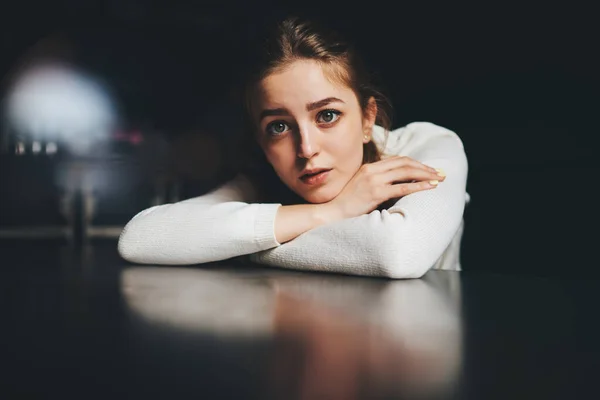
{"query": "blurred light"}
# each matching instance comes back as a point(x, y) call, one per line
point(51, 148)
point(20, 148)
point(36, 147)
point(134, 137)
point(59, 103)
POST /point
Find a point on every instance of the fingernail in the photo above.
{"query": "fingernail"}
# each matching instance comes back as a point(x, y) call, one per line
point(434, 183)
point(440, 172)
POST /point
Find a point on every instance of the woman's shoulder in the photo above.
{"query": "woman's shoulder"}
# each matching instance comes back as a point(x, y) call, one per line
point(398, 140)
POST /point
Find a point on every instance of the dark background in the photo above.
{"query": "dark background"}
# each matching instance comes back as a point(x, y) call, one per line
point(518, 82)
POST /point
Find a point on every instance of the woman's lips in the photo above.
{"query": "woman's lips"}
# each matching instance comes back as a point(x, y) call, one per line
point(315, 179)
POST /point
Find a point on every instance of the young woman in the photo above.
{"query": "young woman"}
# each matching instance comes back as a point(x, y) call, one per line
point(349, 195)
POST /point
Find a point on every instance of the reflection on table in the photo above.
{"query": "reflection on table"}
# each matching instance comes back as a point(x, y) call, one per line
point(327, 336)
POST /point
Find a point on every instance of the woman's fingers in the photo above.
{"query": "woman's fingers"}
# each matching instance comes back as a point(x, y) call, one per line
point(402, 176)
point(410, 174)
point(404, 189)
point(399, 162)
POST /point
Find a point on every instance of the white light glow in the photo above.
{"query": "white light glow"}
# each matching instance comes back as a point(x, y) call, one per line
point(20, 148)
point(51, 148)
point(36, 147)
point(57, 102)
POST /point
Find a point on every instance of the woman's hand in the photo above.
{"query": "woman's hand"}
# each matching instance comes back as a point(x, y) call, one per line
point(380, 181)
point(372, 185)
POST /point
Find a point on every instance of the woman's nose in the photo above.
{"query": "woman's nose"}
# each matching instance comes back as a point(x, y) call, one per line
point(308, 143)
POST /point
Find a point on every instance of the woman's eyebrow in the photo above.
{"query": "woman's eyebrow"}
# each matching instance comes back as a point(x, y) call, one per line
point(268, 112)
point(322, 103)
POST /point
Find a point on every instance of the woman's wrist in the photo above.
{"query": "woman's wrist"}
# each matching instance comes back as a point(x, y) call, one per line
point(328, 212)
point(292, 221)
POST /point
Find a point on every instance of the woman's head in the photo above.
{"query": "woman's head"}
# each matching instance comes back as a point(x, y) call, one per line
point(311, 108)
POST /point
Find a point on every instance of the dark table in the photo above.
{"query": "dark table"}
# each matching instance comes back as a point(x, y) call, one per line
point(86, 323)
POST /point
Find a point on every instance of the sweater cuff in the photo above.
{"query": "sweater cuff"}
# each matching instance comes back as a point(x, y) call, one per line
point(264, 226)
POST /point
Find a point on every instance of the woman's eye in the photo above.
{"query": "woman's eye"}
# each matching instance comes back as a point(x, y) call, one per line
point(328, 116)
point(276, 128)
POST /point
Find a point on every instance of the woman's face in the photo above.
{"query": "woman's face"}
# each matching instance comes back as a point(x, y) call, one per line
point(311, 130)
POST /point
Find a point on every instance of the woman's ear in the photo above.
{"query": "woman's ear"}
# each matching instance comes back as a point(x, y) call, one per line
point(370, 116)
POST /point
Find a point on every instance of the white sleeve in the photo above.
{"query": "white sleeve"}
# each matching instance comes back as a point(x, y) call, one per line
point(213, 227)
point(401, 242)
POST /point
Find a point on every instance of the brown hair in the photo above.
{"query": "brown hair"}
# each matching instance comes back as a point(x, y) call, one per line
point(295, 39)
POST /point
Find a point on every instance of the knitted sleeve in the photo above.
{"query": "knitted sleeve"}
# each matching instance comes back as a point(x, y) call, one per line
point(213, 227)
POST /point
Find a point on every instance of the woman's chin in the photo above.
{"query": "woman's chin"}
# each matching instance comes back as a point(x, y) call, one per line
point(320, 196)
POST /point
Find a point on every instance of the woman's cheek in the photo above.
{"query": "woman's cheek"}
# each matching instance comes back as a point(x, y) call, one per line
point(273, 156)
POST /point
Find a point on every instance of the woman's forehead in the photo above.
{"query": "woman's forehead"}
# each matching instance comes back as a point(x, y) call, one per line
point(300, 83)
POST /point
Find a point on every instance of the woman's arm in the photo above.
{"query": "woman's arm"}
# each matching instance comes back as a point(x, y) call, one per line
point(401, 242)
point(292, 221)
point(212, 227)
point(216, 226)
